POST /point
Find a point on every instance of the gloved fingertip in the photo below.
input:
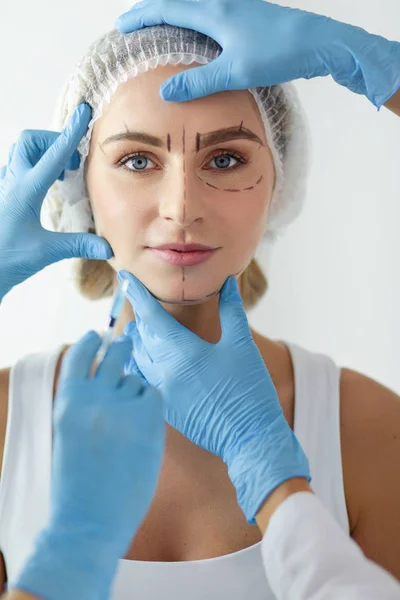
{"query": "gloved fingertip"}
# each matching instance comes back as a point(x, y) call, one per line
point(90, 335)
point(103, 252)
point(130, 328)
point(174, 90)
point(122, 275)
point(230, 290)
point(124, 339)
point(84, 110)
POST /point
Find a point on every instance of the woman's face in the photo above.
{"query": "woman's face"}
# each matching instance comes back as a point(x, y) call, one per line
point(198, 172)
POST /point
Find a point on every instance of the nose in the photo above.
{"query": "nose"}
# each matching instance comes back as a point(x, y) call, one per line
point(182, 200)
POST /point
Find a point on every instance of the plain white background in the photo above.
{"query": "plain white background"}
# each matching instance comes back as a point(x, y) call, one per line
point(334, 277)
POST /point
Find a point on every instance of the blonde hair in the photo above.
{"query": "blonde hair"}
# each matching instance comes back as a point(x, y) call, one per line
point(95, 280)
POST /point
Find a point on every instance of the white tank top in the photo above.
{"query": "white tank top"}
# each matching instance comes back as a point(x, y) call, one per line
point(25, 483)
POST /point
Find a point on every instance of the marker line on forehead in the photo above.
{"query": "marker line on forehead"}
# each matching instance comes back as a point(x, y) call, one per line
point(169, 143)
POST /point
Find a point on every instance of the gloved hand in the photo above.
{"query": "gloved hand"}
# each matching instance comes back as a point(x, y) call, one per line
point(35, 162)
point(108, 445)
point(220, 396)
point(265, 44)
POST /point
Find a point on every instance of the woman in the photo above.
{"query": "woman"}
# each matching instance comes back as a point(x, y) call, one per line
point(194, 520)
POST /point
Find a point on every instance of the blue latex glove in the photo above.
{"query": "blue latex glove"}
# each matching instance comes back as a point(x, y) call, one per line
point(220, 396)
point(35, 162)
point(108, 444)
point(265, 44)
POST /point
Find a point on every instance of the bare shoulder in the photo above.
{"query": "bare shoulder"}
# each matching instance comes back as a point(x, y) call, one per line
point(370, 435)
point(4, 384)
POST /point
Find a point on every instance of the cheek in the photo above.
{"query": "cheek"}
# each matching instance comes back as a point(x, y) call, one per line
point(246, 216)
point(118, 207)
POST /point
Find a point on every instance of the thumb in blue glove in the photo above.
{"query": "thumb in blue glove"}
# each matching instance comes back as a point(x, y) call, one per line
point(265, 44)
point(35, 162)
point(220, 396)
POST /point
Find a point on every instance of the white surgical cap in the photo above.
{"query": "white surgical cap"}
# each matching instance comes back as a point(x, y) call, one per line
point(116, 57)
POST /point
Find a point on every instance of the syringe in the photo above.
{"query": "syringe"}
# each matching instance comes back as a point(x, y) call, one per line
point(109, 327)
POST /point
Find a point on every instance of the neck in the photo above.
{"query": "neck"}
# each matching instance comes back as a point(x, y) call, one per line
point(201, 319)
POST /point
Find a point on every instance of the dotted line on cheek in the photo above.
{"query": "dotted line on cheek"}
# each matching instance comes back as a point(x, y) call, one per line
point(231, 189)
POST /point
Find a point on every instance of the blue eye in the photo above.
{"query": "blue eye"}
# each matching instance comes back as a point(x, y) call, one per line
point(139, 162)
point(222, 161)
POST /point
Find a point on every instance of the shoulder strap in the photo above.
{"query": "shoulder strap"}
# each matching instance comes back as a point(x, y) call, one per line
point(26, 472)
point(317, 426)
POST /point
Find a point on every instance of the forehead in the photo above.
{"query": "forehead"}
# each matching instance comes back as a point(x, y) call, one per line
point(137, 104)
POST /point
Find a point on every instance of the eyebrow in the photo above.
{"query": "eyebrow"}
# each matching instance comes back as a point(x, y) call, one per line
point(135, 136)
point(203, 140)
point(224, 135)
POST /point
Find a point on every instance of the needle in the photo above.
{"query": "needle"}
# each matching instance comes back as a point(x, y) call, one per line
point(109, 327)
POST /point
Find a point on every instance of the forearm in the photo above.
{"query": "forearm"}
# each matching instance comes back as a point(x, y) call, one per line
point(393, 103)
point(18, 595)
point(279, 495)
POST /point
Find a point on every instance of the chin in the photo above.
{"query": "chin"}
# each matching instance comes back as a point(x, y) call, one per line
point(186, 302)
point(183, 293)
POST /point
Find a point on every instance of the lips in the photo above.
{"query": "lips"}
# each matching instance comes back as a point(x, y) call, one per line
point(183, 247)
point(183, 255)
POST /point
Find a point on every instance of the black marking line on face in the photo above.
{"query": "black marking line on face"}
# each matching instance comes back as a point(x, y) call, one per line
point(213, 294)
point(209, 184)
point(197, 142)
point(184, 173)
point(241, 125)
point(169, 143)
point(217, 291)
point(184, 207)
point(229, 189)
